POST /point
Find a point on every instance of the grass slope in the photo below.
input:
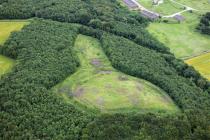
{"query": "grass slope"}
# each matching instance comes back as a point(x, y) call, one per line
point(202, 64)
point(98, 85)
point(6, 27)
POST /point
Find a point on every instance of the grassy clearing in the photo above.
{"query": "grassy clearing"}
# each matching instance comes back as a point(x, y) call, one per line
point(165, 8)
point(202, 64)
point(7, 26)
point(97, 84)
point(6, 64)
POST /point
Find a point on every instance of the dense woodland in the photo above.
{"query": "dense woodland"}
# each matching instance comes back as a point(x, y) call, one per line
point(204, 25)
point(43, 51)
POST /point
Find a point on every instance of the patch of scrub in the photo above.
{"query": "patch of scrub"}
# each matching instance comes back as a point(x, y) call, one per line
point(182, 39)
point(6, 64)
point(97, 85)
point(202, 64)
point(7, 26)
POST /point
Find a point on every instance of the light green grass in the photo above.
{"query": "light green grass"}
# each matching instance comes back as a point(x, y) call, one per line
point(165, 8)
point(102, 87)
point(201, 5)
point(6, 64)
point(202, 64)
point(182, 39)
point(7, 26)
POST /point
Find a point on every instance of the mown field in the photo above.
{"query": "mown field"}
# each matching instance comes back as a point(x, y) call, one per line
point(202, 64)
point(6, 27)
point(98, 85)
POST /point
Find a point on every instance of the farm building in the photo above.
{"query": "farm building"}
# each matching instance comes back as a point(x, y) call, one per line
point(179, 17)
point(131, 4)
point(156, 2)
point(150, 15)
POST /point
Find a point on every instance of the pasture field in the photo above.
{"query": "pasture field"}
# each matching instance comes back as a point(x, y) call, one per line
point(165, 8)
point(201, 5)
point(7, 26)
point(202, 64)
point(6, 64)
point(99, 86)
point(182, 39)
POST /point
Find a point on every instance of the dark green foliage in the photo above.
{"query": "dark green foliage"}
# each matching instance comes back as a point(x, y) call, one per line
point(150, 65)
point(43, 50)
point(28, 109)
point(204, 25)
point(137, 127)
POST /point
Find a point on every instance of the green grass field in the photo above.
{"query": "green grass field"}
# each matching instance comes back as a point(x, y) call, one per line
point(97, 84)
point(6, 64)
point(182, 39)
point(201, 5)
point(202, 64)
point(165, 8)
point(7, 26)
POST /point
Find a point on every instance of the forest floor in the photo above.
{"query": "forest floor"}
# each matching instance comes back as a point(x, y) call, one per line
point(97, 85)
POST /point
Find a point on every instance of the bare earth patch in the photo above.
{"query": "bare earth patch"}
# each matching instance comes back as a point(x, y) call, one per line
point(123, 78)
point(79, 92)
point(96, 62)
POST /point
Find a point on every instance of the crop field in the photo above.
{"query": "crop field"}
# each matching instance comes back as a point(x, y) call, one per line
point(5, 64)
point(202, 64)
point(98, 85)
point(6, 27)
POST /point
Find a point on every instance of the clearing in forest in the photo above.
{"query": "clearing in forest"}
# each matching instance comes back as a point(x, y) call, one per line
point(7, 26)
point(97, 85)
point(202, 64)
point(6, 64)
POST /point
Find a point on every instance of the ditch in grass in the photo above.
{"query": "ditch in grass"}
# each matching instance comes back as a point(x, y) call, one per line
point(98, 86)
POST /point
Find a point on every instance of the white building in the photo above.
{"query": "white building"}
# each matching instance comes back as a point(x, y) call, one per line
point(156, 2)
